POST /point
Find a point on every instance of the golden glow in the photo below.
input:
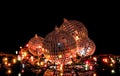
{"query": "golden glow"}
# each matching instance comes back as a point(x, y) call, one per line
point(46, 60)
point(14, 61)
point(19, 74)
point(71, 56)
point(70, 62)
point(5, 59)
point(9, 64)
point(39, 46)
point(25, 53)
point(31, 58)
point(61, 67)
point(77, 38)
point(60, 56)
point(41, 63)
point(61, 74)
point(9, 71)
point(113, 61)
point(48, 56)
point(38, 63)
point(111, 64)
point(94, 74)
point(20, 47)
point(5, 63)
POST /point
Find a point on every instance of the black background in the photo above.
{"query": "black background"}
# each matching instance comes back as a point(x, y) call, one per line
point(19, 23)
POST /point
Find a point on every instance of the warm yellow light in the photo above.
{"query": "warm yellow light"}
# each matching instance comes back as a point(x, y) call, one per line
point(9, 71)
point(70, 62)
point(5, 59)
point(60, 56)
point(71, 56)
point(57, 62)
point(94, 74)
point(25, 53)
point(111, 64)
point(5, 63)
point(41, 63)
point(61, 74)
point(61, 67)
point(14, 61)
point(113, 61)
point(20, 47)
point(48, 56)
point(38, 63)
point(74, 55)
point(77, 38)
point(19, 74)
point(46, 60)
point(39, 46)
point(31, 58)
point(9, 64)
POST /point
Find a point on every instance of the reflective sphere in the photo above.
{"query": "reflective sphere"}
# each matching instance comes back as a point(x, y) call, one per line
point(35, 45)
point(75, 29)
point(58, 44)
point(86, 48)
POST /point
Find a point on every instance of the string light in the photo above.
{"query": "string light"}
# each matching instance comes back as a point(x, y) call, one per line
point(9, 71)
point(19, 74)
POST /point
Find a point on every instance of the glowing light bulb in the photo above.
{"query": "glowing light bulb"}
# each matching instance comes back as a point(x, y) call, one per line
point(38, 63)
point(19, 74)
point(61, 74)
point(5, 59)
point(9, 64)
point(14, 61)
point(25, 53)
point(60, 56)
point(77, 38)
point(16, 52)
point(112, 71)
point(5, 63)
point(111, 64)
point(31, 58)
point(41, 63)
point(61, 67)
point(9, 71)
point(94, 74)
point(20, 47)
